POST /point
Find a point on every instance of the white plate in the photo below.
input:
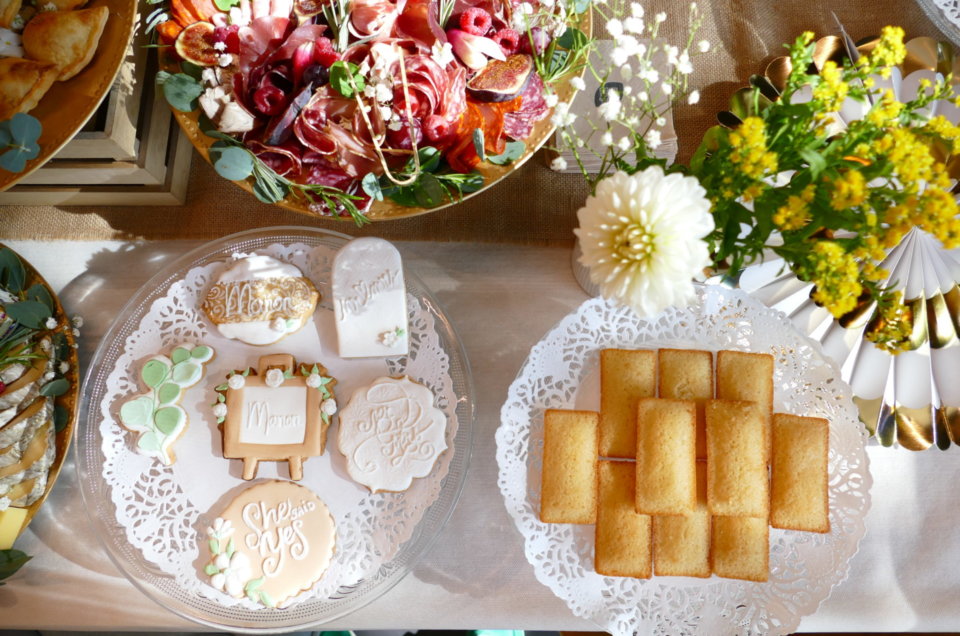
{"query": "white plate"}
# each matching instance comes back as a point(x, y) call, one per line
point(560, 372)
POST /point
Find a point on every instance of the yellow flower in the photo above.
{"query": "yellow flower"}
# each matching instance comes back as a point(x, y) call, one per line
point(885, 110)
point(835, 275)
point(943, 128)
point(750, 153)
point(849, 190)
point(890, 330)
point(831, 90)
point(796, 212)
point(909, 156)
point(890, 50)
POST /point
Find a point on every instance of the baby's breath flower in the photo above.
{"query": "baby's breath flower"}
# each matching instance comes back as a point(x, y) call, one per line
point(625, 143)
point(636, 9)
point(610, 109)
point(653, 138)
point(684, 67)
point(693, 97)
point(577, 83)
point(661, 17)
point(606, 138)
point(634, 25)
point(703, 46)
point(559, 164)
point(562, 116)
point(614, 27)
point(551, 99)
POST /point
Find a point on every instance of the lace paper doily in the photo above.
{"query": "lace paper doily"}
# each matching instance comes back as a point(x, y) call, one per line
point(164, 511)
point(562, 372)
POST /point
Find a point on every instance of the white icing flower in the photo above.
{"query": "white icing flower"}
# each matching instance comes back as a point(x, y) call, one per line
point(4, 503)
point(221, 529)
point(642, 238)
point(314, 381)
point(218, 581)
point(388, 338)
point(236, 381)
point(278, 324)
point(220, 410)
point(51, 323)
point(233, 575)
point(329, 406)
point(222, 561)
point(274, 378)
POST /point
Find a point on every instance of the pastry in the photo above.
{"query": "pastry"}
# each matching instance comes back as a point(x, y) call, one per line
point(737, 455)
point(625, 377)
point(391, 433)
point(370, 299)
point(622, 545)
point(8, 12)
point(67, 39)
point(681, 543)
point(666, 461)
point(259, 300)
point(741, 548)
point(798, 473)
point(686, 374)
point(156, 414)
point(273, 541)
point(568, 490)
point(280, 412)
point(22, 84)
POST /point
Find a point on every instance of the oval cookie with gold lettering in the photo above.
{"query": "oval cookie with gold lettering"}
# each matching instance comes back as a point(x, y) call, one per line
point(259, 300)
point(274, 541)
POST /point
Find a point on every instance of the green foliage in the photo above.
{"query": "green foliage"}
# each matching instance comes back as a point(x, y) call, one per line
point(432, 186)
point(10, 562)
point(513, 151)
point(180, 90)
point(18, 141)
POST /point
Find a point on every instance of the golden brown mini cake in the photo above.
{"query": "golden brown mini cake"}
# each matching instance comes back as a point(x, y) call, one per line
point(741, 548)
point(66, 38)
point(749, 377)
point(798, 480)
point(737, 476)
point(568, 492)
point(666, 459)
point(625, 377)
point(622, 537)
point(681, 543)
point(687, 374)
point(22, 84)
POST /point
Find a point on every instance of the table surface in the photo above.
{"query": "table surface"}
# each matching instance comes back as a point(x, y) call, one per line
point(904, 577)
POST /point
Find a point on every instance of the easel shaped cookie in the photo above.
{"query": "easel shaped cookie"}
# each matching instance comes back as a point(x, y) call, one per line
point(280, 412)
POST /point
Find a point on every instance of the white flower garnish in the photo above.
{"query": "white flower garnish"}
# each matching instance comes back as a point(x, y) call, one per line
point(51, 323)
point(559, 164)
point(577, 83)
point(220, 410)
point(642, 238)
point(703, 46)
point(442, 53)
point(314, 381)
point(234, 573)
point(236, 381)
point(610, 109)
point(388, 338)
point(78, 321)
point(614, 28)
point(606, 138)
point(274, 378)
point(653, 138)
point(278, 324)
point(329, 406)
point(693, 97)
point(562, 116)
point(551, 99)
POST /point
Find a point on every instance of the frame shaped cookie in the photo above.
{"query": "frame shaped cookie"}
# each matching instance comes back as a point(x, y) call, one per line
point(278, 412)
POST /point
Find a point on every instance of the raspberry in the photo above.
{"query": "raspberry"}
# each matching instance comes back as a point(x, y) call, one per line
point(475, 21)
point(508, 39)
point(323, 52)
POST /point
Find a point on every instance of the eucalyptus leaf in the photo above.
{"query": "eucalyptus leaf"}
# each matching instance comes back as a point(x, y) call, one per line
point(12, 272)
point(55, 388)
point(61, 417)
point(371, 185)
point(149, 442)
point(478, 143)
point(137, 414)
point(580, 6)
point(13, 160)
point(200, 351)
point(430, 192)
point(191, 69)
point(168, 419)
point(5, 136)
point(161, 77)
point(11, 561)
point(29, 313)
point(513, 151)
point(180, 354)
point(24, 129)
point(186, 372)
point(181, 91)
point(40, 294)
point(154, 373)
point(232, 163)
point(168, 393)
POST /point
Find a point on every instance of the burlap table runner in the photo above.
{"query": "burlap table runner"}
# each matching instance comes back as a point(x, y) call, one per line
point(534, 205)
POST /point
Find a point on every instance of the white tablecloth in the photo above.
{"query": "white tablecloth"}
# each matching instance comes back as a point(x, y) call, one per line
point(501, 299)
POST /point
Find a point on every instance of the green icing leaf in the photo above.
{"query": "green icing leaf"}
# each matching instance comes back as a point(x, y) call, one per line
point(168, 393)
point(154, 373)
point(202, 353)
point(266, 599)
point(61, 416)
point(12, 272)
point(29, 313)
point(168, 419)
point(55, 388)
point(149, 441)
point(214, 546)
point(252, 596)
point(230, 548)
point(40, 294)
point(253, 584)
point(10, 562)
point(137, 413)
point(221, 387)
point(179, 355)
point(211, 569)
point(186, 373)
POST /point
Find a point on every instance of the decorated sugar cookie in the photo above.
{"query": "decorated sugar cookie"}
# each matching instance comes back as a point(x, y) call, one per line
point(280, 412)
point(272, 542)
point(390, 433)
point(369, 299)
point(156, 414)
point(259, 300)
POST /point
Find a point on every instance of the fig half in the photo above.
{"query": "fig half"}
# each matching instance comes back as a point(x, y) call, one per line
point(195, 44)
point(501, 81)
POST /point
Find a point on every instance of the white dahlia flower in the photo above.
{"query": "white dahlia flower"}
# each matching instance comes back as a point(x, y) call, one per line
point(642, 238)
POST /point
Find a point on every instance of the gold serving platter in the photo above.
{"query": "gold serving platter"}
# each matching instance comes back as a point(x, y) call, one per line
point(69, 401)
point(389, 210)
point(68, 105)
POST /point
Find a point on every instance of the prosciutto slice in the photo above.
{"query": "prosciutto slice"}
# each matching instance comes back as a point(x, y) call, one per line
point(259, 38)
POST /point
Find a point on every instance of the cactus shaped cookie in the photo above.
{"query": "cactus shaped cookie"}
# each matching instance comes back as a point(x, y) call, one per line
point(156, 414)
